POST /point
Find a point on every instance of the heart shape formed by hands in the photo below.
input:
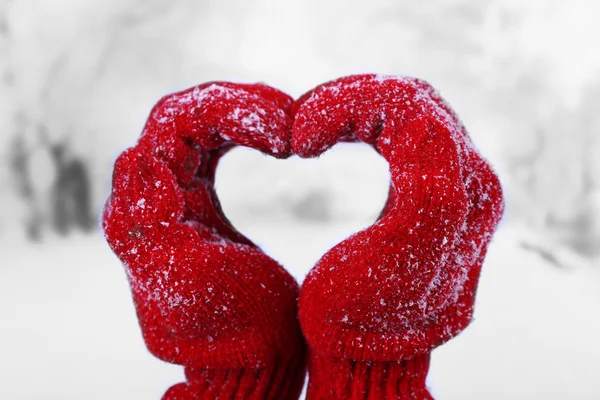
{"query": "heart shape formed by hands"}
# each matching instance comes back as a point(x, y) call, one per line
point(372, 308)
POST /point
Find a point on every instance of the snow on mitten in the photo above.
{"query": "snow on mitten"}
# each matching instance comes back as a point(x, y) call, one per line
point(206, 297)
point(375, 305)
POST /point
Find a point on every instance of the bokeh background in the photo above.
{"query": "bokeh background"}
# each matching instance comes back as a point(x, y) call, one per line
point(78, 78)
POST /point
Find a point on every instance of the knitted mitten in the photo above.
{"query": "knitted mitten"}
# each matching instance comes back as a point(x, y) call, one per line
point(206, 297)
point(375, 305)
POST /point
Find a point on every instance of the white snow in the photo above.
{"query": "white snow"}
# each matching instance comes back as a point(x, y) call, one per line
point(67, 326)
point(69, 330)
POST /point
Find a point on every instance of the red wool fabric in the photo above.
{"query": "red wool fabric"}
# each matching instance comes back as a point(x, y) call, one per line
point(373, 307)
point(206, 297)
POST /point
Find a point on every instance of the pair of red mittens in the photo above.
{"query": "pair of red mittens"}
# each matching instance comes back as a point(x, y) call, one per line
point(373, 307)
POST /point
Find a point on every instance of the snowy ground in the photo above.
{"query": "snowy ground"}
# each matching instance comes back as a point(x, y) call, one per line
point(69, 330)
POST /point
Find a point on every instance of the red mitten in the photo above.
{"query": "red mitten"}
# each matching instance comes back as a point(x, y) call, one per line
point(206, 297)
point(375, 305)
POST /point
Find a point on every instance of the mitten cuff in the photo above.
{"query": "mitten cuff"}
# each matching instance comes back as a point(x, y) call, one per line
point(350, 379)
point(281, 380)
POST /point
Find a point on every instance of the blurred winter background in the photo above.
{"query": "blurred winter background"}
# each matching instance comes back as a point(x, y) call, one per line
point(77, 79)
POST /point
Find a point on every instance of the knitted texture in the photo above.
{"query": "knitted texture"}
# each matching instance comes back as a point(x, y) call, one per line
point(206, 297)
point(373, 307)
point(350, 379)
point(376, 304)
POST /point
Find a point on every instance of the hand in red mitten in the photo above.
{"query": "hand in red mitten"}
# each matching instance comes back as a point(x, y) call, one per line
point(206, 297)
point(375, 305)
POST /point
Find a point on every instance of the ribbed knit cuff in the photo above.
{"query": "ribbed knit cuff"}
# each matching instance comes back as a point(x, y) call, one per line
point(349, 380)
point(281, 381)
